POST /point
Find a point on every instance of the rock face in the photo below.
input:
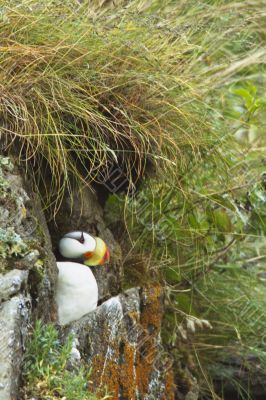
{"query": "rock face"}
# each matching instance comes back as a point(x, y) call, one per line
point(25, 242)
point(11, 283)
point(28, 273)
point(120, 340)
point(14, 316)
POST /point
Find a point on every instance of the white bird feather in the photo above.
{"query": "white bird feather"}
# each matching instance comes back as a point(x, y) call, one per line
point(76, 292)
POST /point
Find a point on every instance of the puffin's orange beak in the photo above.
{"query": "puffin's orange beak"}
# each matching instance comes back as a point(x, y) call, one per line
point(100, 255)
point(106, 257)
point(88, 254)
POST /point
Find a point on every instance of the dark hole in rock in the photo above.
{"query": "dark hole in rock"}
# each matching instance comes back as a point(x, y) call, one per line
point(102, 300)
point(122, 353)
point(143, 350)
point(89, 220)
point(34, 281)
point(121, 395)
point(151, 329)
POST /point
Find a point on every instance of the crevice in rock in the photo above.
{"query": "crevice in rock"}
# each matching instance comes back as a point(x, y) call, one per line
point(122, 353)
point(12, 283)
point(83, 212)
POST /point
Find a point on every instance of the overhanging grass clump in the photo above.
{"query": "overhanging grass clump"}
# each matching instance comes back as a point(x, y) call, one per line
point(85, 95)
point(87, 88)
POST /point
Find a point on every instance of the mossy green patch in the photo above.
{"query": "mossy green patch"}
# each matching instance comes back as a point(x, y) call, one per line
point(11, 244)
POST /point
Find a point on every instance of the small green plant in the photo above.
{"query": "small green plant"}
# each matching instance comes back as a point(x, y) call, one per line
point(45, 372)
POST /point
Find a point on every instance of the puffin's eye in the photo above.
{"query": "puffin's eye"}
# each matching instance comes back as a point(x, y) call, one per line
point(82, 239)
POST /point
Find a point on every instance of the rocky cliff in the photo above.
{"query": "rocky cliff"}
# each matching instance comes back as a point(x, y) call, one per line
point(120, 340)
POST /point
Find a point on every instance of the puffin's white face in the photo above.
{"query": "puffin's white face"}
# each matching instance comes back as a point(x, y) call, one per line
point(80, 244)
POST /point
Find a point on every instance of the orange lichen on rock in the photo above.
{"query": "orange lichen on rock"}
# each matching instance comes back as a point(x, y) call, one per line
point(151, 314)
point(127, 376)
point(105, 374)
point(170, 386)
point(150, 321)
point(119, 377)
point(130, 360)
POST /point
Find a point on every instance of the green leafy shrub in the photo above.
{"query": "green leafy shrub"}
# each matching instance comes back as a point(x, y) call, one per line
point(45, 371)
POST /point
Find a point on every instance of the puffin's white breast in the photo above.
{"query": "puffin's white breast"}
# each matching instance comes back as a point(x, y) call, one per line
point(76, 292)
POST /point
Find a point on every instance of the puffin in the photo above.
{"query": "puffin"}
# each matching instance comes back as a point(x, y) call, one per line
point(76, 288)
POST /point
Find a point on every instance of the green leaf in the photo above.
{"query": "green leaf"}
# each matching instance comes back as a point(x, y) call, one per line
point(221, 220)
point(246, 96)
point(184, 303)
point(193, 222)
point(172, 276)
point(223, 201)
